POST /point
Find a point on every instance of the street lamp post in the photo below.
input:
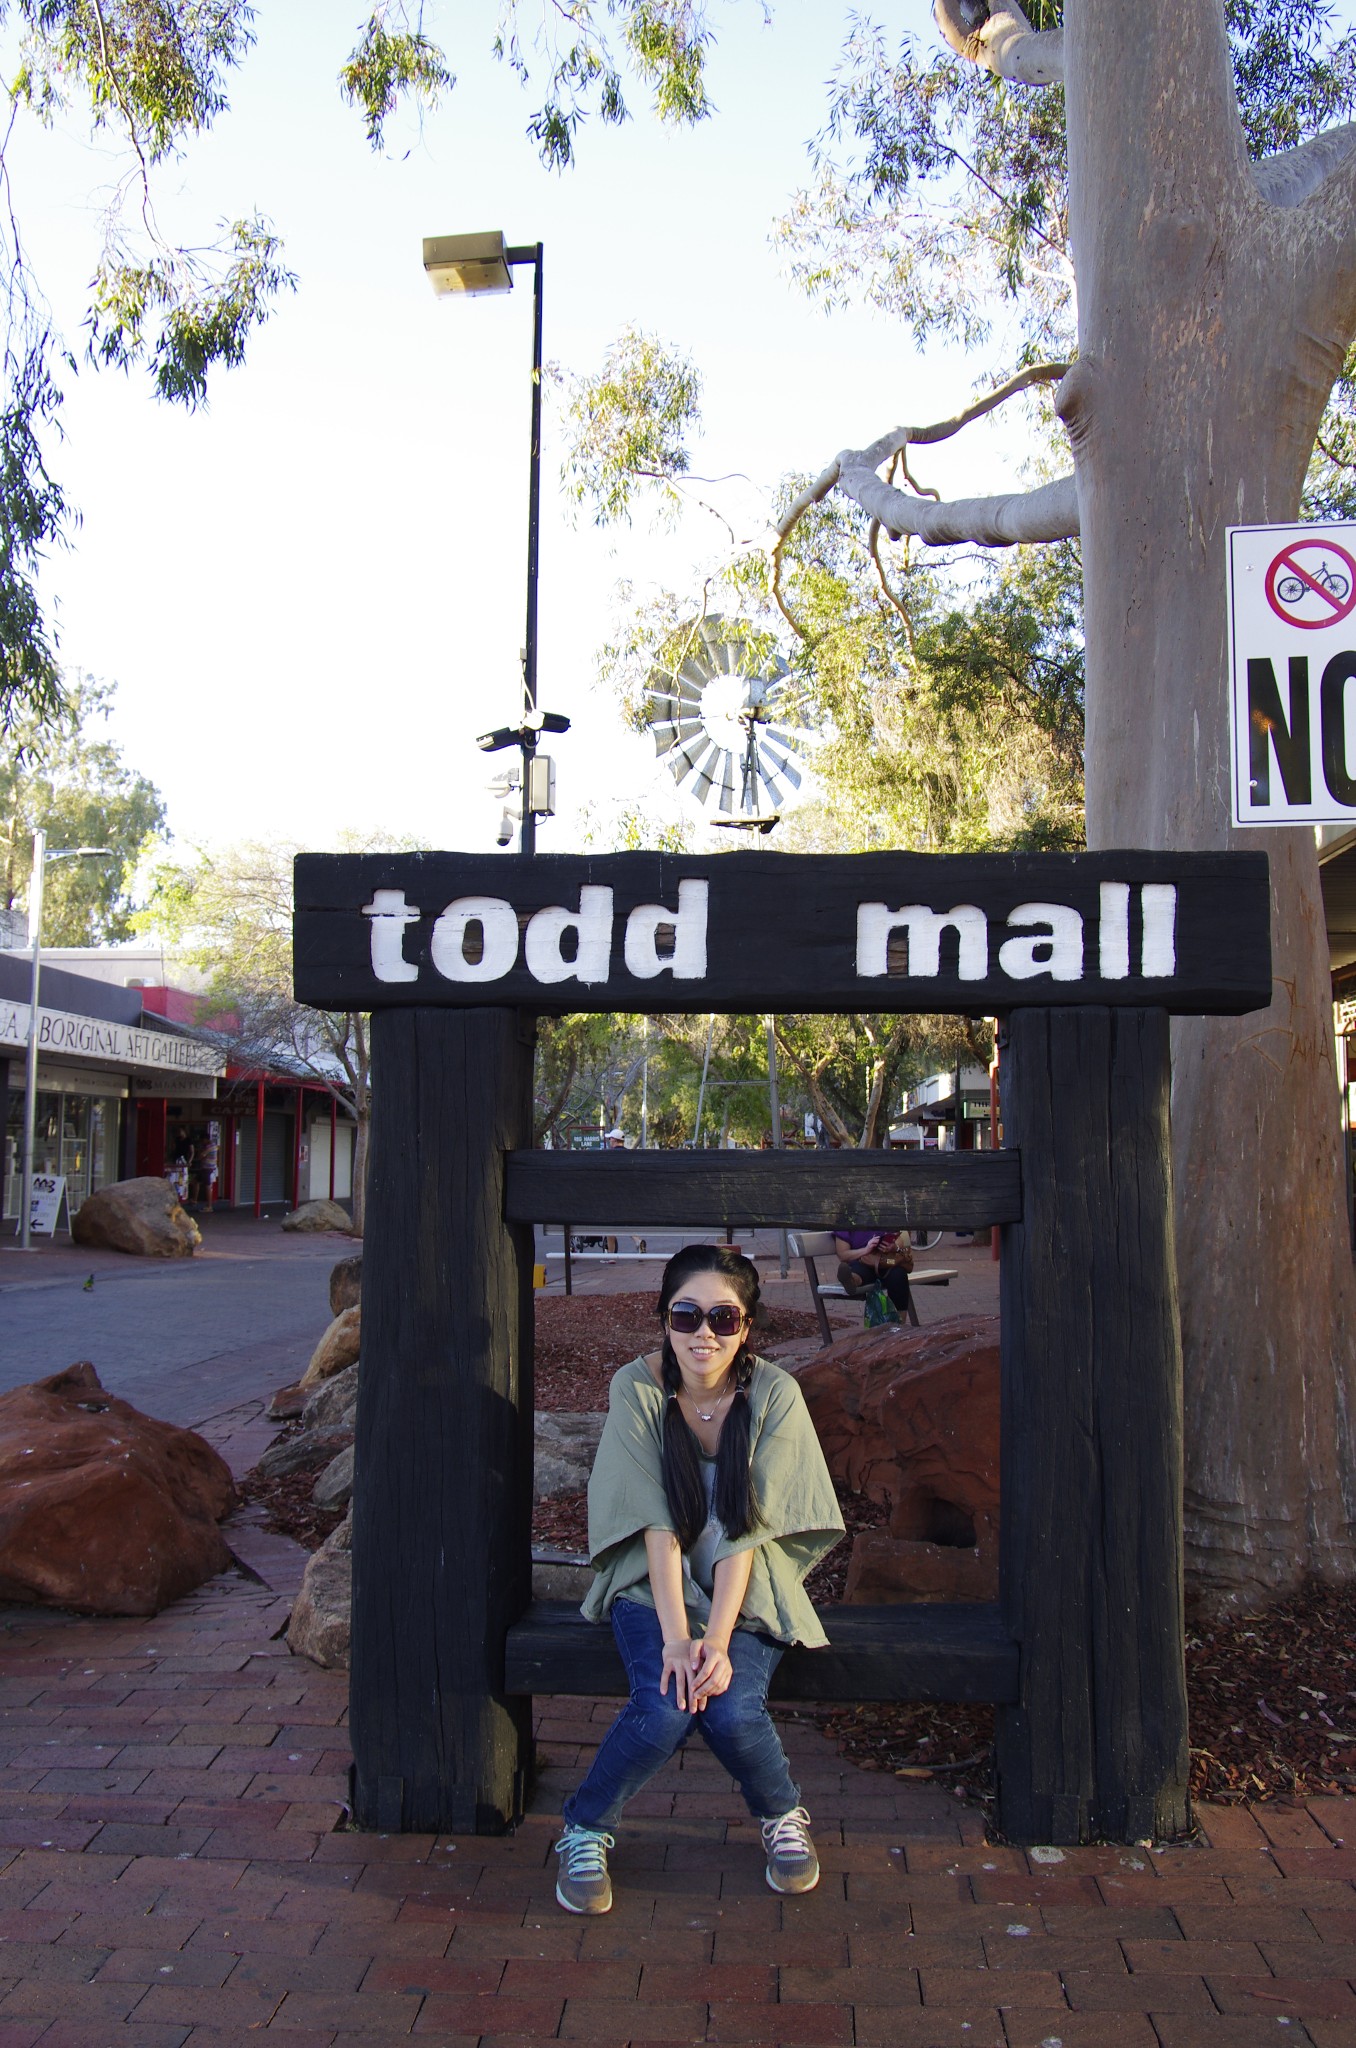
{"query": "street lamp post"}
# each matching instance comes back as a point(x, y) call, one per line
point(472, 266)
point(40, 859)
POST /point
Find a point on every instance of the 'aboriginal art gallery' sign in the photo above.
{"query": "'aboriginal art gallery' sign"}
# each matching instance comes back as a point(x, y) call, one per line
point(95, 1038)
point(1188, 933)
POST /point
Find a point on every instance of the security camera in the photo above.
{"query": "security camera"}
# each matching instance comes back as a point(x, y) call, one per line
point(504, 836)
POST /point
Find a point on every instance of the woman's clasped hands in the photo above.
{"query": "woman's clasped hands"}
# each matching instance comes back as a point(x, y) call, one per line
point(700, 1668)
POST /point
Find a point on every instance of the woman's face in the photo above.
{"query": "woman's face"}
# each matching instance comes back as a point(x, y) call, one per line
point(702, 1355)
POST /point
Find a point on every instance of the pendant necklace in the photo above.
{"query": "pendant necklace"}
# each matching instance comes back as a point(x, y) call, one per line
point(701, 1411)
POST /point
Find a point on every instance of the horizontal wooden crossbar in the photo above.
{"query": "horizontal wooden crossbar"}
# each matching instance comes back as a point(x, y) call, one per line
point(812, 1190)
point(917, 1652)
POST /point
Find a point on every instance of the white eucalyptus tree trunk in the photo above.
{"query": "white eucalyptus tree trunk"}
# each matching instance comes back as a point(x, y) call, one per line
point(1211, 326)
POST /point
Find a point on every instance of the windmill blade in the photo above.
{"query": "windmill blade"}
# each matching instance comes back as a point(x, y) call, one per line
point(784, 765)
point(671, 696)
point(727, 785)
point(769, 783)
point(695, 674)
point(684, 759)
point(706, 774)
point(719, 648)
point(668, 734)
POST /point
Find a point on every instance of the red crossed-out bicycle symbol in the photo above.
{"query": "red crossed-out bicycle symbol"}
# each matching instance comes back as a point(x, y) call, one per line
point(1312, 583)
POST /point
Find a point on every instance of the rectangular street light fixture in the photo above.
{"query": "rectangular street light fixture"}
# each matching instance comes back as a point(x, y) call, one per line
point(467, 263)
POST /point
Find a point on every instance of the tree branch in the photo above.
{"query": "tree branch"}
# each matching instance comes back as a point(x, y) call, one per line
point(1005, 44)
point(1294, 175)
point(1051, 513)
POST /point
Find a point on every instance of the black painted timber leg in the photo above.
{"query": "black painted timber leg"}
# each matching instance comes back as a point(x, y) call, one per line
point(1096, 1746)
point(443, 1470)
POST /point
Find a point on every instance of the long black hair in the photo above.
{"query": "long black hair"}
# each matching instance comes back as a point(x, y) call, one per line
point(736, 1499)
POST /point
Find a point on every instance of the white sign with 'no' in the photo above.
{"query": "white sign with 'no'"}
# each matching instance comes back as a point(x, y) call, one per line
point(1292, 697)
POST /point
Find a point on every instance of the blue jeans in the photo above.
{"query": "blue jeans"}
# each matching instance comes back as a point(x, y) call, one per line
point(736, 1726)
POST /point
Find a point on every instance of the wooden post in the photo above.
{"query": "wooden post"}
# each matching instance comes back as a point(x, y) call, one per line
point(442, 1502)
point(1096, 1745)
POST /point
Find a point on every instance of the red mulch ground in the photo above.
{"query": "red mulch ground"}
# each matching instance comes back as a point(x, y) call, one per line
point(1272, 1700)
point(290, 1509)
point(1272, 1695)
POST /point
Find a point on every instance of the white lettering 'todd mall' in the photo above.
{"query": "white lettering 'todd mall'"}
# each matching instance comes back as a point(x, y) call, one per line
point(1052, 941)
point(475, 939)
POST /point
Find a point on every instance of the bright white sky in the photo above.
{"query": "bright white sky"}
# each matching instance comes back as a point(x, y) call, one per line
point(310, 597)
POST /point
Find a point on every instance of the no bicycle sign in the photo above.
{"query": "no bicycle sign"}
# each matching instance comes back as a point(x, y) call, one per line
point(1292, 701)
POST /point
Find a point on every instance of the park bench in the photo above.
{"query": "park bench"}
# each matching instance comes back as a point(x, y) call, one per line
point(809, 1245)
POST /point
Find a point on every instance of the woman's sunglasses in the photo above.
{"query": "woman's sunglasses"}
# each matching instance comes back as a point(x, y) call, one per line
point(725, 1319)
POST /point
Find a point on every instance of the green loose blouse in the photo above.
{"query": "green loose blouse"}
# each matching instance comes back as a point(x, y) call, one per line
point(799, 1523)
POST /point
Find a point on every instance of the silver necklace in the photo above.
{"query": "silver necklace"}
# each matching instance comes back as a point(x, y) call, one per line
point(702, 1413)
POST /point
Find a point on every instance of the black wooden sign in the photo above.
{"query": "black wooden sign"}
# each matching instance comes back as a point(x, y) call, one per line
point(748, 931)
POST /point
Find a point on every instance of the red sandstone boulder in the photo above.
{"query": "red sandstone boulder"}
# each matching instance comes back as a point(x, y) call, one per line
point(337, 1349)
point(101, 1507)
point(139, 1216)
point(910, 1418)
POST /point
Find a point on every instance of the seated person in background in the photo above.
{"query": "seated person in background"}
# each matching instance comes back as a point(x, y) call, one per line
point(874, 1258)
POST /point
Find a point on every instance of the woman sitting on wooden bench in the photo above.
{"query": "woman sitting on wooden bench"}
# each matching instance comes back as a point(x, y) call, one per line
point(708, 1504)
point(874, 1258)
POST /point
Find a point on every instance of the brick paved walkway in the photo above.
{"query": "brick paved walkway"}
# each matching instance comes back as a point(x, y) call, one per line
point(173, 1870)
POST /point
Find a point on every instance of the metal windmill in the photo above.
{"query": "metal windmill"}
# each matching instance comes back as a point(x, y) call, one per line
point(714, 717)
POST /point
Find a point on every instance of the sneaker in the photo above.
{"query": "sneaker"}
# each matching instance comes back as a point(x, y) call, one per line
point(792, 1865)
point(582, 1883)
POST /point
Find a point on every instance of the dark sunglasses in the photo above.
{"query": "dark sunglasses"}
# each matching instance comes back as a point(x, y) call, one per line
point(725, 1319)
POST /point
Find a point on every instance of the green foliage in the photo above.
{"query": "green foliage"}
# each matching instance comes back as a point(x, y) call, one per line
point(941, 192)
point(174, 313)
point(392, 61)
point(156, 68)
point(1294, 67)
point(956, 728)
point(947, 718)
point(33, 516)
point(851, 1072)
point(1330, 486)
point(155, 73)
point(626, 428)
point(574, 1054)
point(58, 777)
point(631, 828)
point(854, 1069)
point(663, 42)
point(229, 914)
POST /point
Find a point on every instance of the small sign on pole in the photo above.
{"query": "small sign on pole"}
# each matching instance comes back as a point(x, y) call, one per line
point(1292, 697)
point(49, 1192)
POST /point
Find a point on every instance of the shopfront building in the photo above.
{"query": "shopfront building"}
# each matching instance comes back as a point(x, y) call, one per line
point(100, 1070)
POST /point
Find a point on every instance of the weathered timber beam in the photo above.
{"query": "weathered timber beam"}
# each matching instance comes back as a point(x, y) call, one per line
point(925, 1652)
point(805, 1190)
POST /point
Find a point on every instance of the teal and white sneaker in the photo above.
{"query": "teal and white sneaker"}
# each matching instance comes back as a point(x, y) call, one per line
point(792, 1865)
point(582, 1882)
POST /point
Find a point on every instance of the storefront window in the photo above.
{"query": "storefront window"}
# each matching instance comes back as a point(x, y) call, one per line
point(74, 1135)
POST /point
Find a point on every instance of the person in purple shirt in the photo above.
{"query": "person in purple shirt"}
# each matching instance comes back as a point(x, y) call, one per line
point(872, 1258)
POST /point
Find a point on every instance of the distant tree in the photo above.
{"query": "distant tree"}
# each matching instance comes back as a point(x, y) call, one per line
point(58, 776)
point(230, 914)
point(854, 1069)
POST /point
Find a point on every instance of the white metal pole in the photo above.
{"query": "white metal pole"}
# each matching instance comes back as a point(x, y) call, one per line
point(701, 1092)
point(31, 1099)
point(645, 1092)
point(774, 1103)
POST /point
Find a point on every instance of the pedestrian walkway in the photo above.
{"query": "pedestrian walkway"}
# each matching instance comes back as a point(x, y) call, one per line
point(174, 1869)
